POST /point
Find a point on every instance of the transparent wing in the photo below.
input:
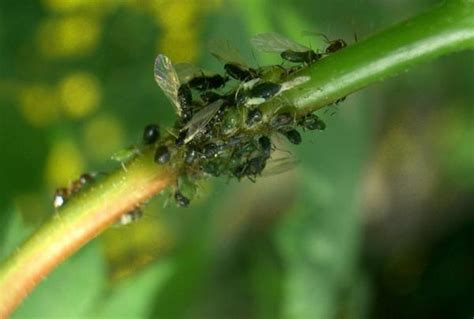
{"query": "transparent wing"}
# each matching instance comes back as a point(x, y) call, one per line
point(275, 42)
point(167, 79)
point(186, 71)
point(279, 166)
point(200, 120)
point(225, 52)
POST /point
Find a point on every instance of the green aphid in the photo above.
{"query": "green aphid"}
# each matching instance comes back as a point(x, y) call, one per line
point(273, 73)
point(125, 155)
point(231, 122)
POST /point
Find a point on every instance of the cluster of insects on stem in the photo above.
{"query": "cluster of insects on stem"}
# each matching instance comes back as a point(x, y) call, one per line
point(220, 129)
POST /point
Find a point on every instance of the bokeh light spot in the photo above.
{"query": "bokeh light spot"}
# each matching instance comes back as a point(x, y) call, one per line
point(172, 44)
point(103, 136)
point(80, 94)
point(64, 163)
point(180, 34)
point(74, 5)
point(68, 36)
point(39, 105)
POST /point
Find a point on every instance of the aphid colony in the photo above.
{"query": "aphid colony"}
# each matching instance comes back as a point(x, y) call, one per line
point(220, 130)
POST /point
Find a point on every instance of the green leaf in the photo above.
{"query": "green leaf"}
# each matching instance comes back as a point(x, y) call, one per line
point(70, 290)
point(133, 297)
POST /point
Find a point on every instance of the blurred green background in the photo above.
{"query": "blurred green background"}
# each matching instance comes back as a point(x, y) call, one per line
point(375, 221)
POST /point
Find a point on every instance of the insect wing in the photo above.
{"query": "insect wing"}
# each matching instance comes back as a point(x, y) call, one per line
point(279, 166)
point(167, 79)
point(275, 42)
point(225, 52)
point(201, 119)
point(186, 71)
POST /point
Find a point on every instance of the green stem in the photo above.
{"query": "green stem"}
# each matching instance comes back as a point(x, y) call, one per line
point(445, 29)
point(79, 221)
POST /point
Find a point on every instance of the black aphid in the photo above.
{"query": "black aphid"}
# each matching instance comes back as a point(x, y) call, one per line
point(162, 155)
point(254, 116)
point(181, 200)
point(281, 120)
point(239, 72)
point(185, 97)
point(335, 45)
point(265, 90)
point(293, 136)
point(210, 150)
point(312, 122)
point(207, 82)
point(266, 145)
point(151, 134)
point(301, 57)
point(181, 136)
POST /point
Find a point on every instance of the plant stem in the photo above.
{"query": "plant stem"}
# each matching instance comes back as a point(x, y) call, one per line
point(445, 29)
point(81, 219)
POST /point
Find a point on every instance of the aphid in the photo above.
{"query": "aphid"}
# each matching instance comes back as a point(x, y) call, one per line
point(190, 155)
point(199, 79)
point(151, 134)
point(256, 92)
point(205, 82)
point(200, 120)
point(210, 96)
point(265, 144)
point(245, 149)
point(179, 141)
point(239, 171)
point(162, 155)
point(256, 165)
point(168, 80)
point(273, 73)
point(234, 64)
point(125, 154)
point(265, 90)
point(61, 195)
point(185, 99)
point(312, 122)
point(333, 45)
point(130, 217)
point(210, 150)
point(293, 136)
point(301, 57)
point(280, 120)
point(289, 50)
point(250, 168)
point(235, 140)
point(181, 200)
point(240, 72)
point(230, 123)
point(82, 181)
point(254, 116)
